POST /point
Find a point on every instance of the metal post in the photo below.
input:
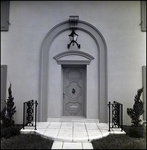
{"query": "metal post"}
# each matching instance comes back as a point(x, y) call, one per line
point(112, 113)
point(121, 117)
point(35, 113)
point(23, 114)
point(118, 115)
point(109, 116)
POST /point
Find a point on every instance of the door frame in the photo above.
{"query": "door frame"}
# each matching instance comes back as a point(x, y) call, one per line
point(84, 85)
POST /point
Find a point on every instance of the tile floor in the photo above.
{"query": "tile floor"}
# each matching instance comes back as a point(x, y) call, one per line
point(72, 134)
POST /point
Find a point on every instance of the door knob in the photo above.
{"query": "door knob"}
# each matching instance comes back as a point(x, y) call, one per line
point(73, 91)
point(63, 94)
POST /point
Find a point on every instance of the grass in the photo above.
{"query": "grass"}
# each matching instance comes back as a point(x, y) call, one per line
point(26, 141)
point(35, 141)
point(120, 141)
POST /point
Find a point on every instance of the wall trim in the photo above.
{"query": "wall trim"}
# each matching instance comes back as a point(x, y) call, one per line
point(3, 85)
point(144, 90)
point(73, 52)
point(73, 62)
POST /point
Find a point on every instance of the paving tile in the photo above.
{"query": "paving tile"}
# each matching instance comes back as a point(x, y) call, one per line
point(76, 129)
point(80, 129)
point(66, 125)
point(51, 133)
point(87, 145)
point(105, 133)
point(91, 126)
point(103, 126)
point(65, 135)
point(41, 126)
point(54, 125)
point(80, 136)
point(57, 145)
point(79, 124)
point(41, 131)
point(40, 123)
point(71, 145)
point(94, 134)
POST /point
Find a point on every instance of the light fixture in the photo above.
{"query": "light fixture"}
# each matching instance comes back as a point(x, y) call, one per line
point(73, 21)
point(73, 39)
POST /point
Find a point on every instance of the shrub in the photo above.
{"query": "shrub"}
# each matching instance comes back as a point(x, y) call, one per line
point(137, 132)
point(137, 109)
point(8, 111)
point(8, 132)
point(136, 129)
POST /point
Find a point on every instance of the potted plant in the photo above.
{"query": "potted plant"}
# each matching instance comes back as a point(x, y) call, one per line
point(136, 129)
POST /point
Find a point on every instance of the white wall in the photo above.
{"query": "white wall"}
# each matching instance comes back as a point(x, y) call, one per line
point(118, 21)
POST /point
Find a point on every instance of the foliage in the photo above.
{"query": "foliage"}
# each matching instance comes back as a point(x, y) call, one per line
point(137, 109)
point(8, 111)
point(8, 132)
point(137, 132)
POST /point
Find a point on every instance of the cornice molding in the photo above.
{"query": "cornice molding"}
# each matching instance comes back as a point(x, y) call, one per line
point(73, 52)
point(73, 62)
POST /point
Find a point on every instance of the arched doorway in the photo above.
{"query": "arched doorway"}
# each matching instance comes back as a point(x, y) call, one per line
point(102, 66)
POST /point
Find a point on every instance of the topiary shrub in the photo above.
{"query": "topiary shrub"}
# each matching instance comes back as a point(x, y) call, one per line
point(8, 111)
point(136, 129)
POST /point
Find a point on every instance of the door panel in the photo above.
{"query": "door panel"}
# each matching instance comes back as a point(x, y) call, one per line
point(73, 91)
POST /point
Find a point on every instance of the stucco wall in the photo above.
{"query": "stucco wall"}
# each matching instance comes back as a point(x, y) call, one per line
point(118, 21)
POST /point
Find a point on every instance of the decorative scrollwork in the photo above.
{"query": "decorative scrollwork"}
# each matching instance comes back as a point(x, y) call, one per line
point(30, 111)
point(115, 115)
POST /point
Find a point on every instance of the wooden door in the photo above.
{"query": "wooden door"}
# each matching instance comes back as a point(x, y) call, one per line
point(73, 91)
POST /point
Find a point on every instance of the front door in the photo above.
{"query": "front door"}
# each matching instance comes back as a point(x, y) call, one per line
point(74, 91)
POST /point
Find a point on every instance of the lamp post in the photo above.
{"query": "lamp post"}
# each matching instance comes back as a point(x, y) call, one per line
point(73, 39)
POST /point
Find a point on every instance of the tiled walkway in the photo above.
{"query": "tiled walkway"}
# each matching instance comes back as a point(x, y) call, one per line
point(72, 134)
